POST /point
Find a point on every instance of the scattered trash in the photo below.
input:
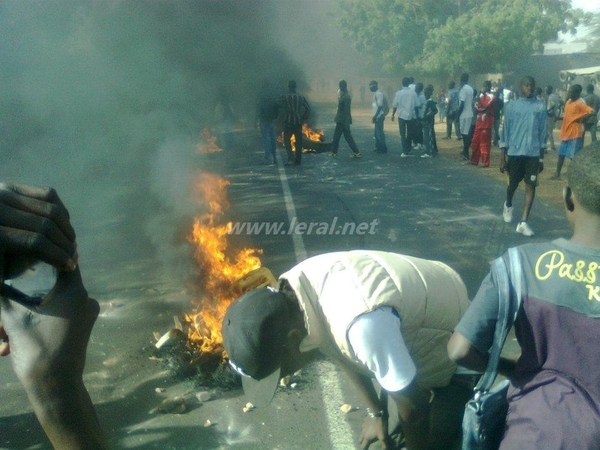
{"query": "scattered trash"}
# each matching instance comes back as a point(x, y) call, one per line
point(249, 407)
point(203, 396)
point(346, 408)
point(174, 405)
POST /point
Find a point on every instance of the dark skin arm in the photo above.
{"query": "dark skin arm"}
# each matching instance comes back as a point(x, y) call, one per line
point(462, 352)
point(47, 343)
point(374, 429)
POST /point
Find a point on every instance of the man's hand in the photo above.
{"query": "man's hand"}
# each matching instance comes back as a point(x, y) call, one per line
point(373, 119)
point(373, 430)
point(503, 160)
point(541, 166)
point(48, 342)
point(392, 117)
point(34, 225)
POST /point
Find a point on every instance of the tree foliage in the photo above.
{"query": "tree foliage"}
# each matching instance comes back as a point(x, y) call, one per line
point(451, 36)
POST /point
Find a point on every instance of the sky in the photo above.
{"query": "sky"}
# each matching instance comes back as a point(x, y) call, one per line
point(586, 5)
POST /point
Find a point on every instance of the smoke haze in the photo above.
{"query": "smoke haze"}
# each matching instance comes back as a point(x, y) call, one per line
point(105, 101)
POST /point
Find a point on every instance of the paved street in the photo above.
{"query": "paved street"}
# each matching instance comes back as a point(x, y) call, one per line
point(131, 234)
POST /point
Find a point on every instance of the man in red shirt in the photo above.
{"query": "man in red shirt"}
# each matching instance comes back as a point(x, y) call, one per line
point(482, 137)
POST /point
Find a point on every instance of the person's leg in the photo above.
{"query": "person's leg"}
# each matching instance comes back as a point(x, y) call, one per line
point(287, 142)
point(337, 134)
point(349, 139)
point(449, 122)
point(476, 147)
point(380, 144)
point(496, 134)
point(593, 131)
point(446, 414)
point(550, 124)
point(427, 143)
point(529, 196)
point(410, 135)
point(457, 127)
point(298, 135)
point(272, 143)
point(465, 129)
point(485, 146)
point(403, 129)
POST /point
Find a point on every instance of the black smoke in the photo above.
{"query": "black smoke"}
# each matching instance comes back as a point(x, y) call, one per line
point(105, 100)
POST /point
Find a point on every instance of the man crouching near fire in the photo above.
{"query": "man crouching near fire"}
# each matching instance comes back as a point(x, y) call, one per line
point(381, 316)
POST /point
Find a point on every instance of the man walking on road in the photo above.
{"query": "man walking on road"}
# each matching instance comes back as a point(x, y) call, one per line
point(523, 146)
point(343, 119)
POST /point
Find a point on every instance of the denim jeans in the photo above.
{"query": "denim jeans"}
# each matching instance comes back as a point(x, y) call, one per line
point(267, 131)
point(592, 129)
point(380, 135)
point(403, 128)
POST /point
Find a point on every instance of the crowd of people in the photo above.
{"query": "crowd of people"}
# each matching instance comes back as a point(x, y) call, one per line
point(402, 321)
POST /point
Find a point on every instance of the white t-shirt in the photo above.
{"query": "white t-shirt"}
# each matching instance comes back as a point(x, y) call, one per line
point(377, 102)
point(466, 95)
point(377, 341)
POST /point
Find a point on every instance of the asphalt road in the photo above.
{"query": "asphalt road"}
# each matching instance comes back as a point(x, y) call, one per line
point(131, 244)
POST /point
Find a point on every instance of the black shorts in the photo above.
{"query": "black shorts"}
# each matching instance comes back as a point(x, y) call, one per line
point(523, 168)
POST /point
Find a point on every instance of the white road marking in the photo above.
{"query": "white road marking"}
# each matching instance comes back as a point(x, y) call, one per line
point(340, 433)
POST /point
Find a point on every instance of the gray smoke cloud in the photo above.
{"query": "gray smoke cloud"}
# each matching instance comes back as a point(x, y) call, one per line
point(105, 101)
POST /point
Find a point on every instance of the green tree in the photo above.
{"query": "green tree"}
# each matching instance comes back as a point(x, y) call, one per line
point(445, 37)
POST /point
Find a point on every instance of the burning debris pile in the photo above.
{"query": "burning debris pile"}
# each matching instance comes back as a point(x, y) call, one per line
point(312, 141)
point(210, 142)
point(196, 346)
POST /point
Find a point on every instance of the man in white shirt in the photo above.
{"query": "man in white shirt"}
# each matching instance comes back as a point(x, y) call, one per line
point(465, 114)
point(406, 103)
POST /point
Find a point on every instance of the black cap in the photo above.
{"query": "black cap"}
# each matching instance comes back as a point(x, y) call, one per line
point(255, 331)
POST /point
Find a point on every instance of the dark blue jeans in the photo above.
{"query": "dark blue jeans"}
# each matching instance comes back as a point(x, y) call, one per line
point(405, 137)
point(380, 144)
point(267, 131)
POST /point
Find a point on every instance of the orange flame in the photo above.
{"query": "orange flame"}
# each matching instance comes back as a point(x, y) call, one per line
point(308, 132)
point(210, 142)
point(217, 272)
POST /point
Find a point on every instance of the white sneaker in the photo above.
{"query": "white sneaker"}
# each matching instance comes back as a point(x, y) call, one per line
point(524, 229)
point(404, 155)
point(507, 213)
point(425, 155)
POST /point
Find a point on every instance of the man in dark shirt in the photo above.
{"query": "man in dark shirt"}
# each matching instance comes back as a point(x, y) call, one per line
point(590, 124)
point(554, 395)
point(295, 111)
point(343, 119)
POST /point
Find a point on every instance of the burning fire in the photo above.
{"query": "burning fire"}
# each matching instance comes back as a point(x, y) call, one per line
point(210, 142)
point(307, 132)
point(217, 274)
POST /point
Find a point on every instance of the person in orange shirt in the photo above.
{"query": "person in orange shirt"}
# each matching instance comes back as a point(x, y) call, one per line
point(571, 131)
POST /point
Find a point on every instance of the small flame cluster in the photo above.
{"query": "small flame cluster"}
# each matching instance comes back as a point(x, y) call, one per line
point(217, 273)
point(307, 132)
point(210, 142)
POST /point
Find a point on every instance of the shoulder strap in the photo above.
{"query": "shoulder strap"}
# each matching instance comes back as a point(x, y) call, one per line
point(508, 307)
point(487, 380)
